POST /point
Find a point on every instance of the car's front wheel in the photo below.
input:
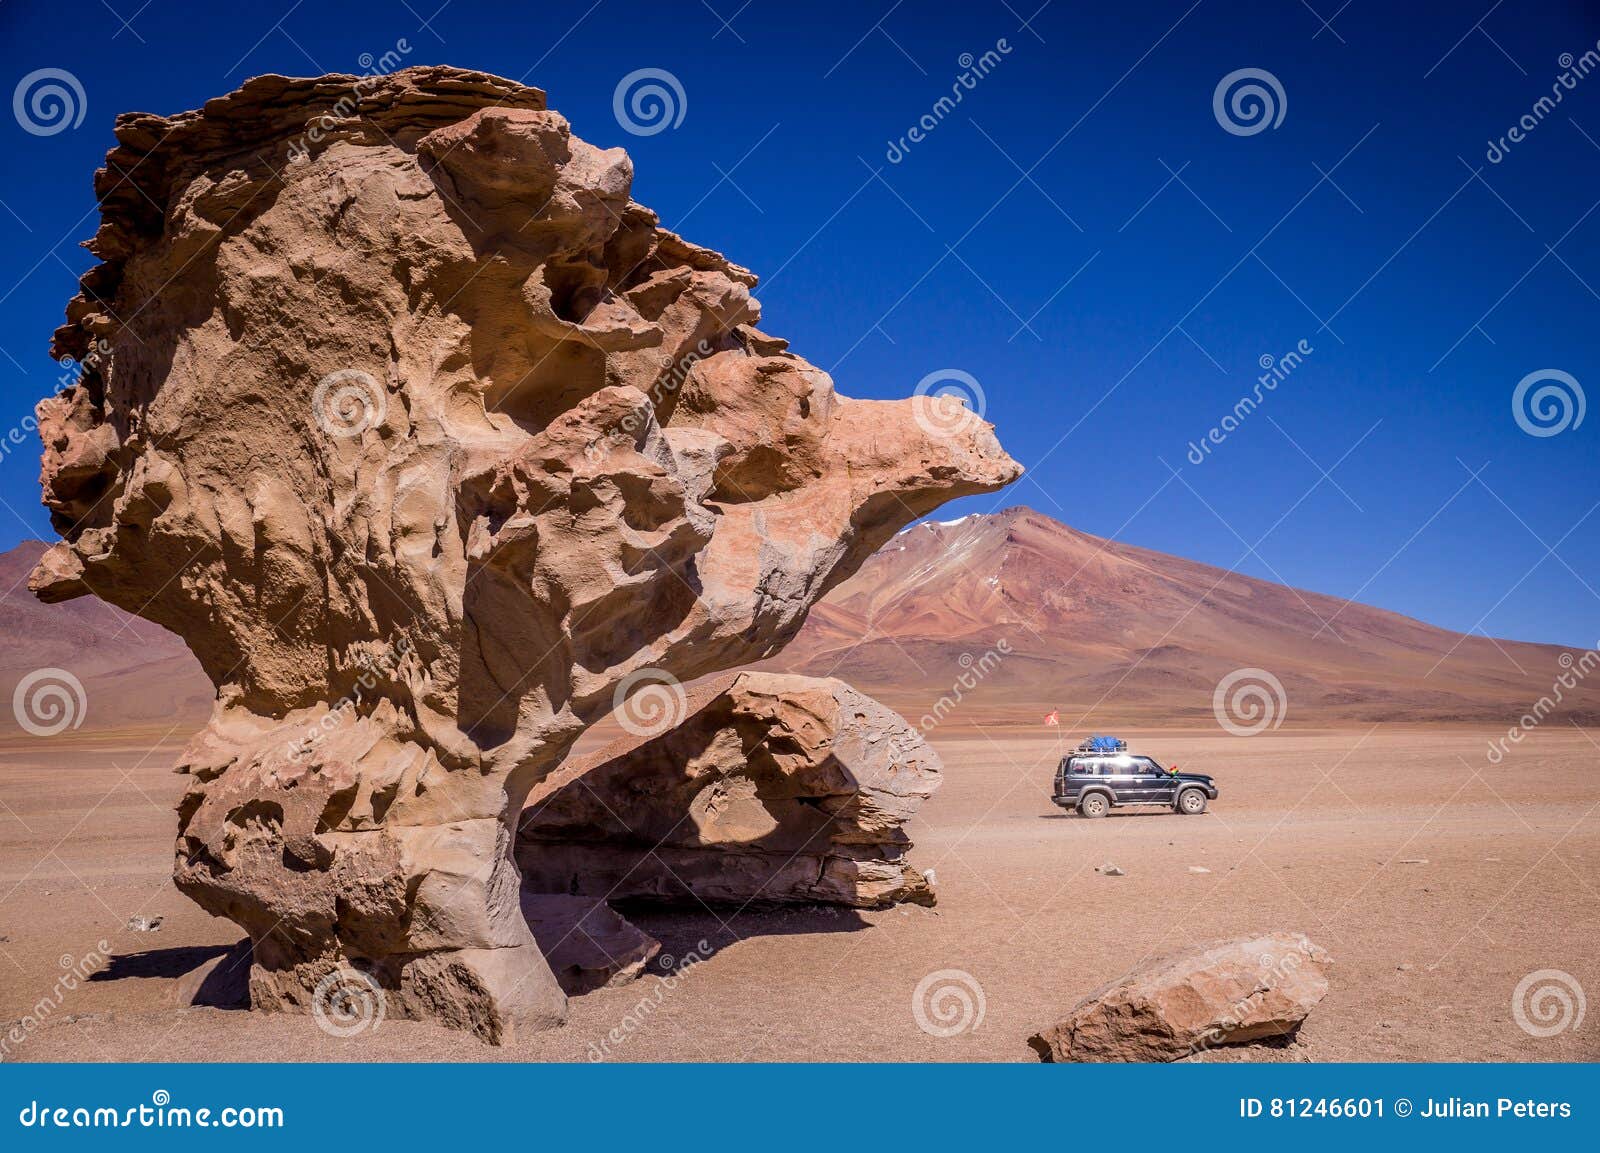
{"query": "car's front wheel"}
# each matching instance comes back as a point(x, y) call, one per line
point(1191, 802)
point(1093, 805)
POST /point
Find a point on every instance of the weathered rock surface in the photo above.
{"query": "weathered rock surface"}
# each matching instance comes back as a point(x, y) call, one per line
point(588, 945)
point(772, 789)
point(1228, 993)
point(424, 436)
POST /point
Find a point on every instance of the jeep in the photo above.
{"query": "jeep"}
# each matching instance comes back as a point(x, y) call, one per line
point(1096, 782)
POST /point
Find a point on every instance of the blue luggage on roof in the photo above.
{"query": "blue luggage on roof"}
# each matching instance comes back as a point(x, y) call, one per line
point(1106, 744)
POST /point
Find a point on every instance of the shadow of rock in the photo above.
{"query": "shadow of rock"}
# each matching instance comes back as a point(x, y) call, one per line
point(690, 936)
point(588, 945)
point(173, 962)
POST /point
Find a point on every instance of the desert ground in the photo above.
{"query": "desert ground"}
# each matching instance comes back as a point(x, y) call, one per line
point(1436, 880)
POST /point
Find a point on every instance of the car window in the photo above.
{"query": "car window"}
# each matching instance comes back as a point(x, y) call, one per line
point(1146, 765)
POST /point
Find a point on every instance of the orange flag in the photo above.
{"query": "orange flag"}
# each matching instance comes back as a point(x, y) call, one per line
point(1053, 717)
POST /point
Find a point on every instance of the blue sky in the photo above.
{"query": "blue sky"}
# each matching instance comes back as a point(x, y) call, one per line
point(1081, 234)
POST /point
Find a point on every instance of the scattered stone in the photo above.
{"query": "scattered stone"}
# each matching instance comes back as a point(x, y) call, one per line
point(143, 924)
point(1109, 870)
point(775, 789)
point(498, 452)
point(1413, 861)
point(1198, 869)
point(1228, 993)
point(1404, 967)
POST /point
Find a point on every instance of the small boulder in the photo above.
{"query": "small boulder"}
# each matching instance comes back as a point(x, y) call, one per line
point(1227, 993)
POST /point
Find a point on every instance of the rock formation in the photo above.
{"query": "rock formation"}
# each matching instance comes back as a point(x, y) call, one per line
point(773, 790)
point(1227, 993)
point(426, 437)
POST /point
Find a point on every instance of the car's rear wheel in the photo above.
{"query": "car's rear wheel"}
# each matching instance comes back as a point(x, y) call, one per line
point(1192, 802)
point(1093, 805)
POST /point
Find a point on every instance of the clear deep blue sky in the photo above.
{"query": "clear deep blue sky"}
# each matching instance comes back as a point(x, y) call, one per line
point(1425, 293)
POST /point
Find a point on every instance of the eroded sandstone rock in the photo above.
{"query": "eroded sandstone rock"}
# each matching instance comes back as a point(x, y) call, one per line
point(1227, 993)
point(771, 790)
point(425, 436)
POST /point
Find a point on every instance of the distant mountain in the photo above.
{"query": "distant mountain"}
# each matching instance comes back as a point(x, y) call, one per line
point(133, 672)
point(1005, 616)
point(1124, 633)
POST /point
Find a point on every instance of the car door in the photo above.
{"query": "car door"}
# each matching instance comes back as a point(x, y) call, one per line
point(1124, 779)
point(1087, 771)
point(1069, 776)
point(1157, 785)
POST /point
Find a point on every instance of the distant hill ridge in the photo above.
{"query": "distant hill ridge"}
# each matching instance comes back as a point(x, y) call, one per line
point(1133, 634)
point(1015, 611)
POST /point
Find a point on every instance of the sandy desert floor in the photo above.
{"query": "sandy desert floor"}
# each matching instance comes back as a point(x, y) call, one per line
point(1436, 880)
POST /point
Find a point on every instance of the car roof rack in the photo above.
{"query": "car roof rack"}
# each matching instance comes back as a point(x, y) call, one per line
point(1099, 744)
